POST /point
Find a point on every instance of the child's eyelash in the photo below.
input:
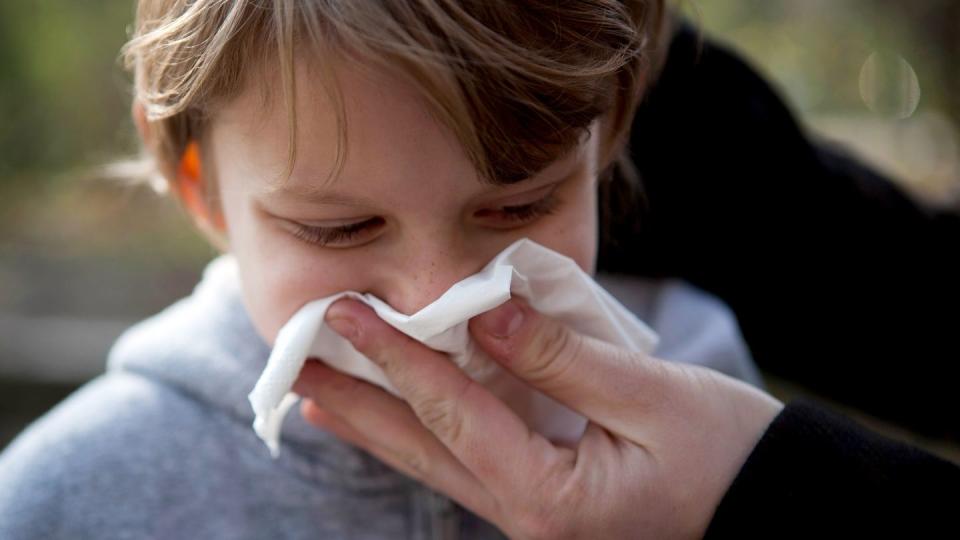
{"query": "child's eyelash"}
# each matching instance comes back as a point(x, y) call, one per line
point(528, 212)
point(332, 235)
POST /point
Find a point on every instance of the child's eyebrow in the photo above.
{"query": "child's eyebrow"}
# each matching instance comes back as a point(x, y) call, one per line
point(325, 196)
point(316, 196)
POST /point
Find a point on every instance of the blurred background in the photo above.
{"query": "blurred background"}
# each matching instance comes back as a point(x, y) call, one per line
point(83, 258)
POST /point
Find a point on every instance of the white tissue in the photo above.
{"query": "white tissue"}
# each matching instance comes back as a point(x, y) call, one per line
point(551, 283)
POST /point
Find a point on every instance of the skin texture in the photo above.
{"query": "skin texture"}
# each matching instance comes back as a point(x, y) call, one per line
point(664, 440)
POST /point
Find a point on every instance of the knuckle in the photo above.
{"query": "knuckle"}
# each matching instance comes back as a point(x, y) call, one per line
point(416, 462)
point(394, 357)
point(385, 355)
point(442, 415)
point(380, 344)
point(554, 350)
point(438, 416)
point(385, 358)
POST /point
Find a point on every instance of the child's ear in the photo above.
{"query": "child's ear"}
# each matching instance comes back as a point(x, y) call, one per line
point(191, 188)
point(188, 183)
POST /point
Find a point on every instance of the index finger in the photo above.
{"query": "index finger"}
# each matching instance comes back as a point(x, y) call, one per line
point(489, 438)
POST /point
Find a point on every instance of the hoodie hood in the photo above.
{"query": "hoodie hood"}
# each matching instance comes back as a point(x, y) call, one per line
point(206, 347)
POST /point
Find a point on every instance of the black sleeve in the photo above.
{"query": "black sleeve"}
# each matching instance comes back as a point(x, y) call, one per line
point(839, 281)
point(815, 474)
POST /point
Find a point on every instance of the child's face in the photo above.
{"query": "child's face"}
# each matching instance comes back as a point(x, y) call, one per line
point(407, 218)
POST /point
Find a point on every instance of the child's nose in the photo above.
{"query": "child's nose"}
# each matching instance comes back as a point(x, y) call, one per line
point(426, 276)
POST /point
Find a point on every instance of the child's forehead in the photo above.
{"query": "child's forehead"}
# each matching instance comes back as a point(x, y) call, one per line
point(387, 124)
point(322, 88)
point(388, 137)
point(261, 94)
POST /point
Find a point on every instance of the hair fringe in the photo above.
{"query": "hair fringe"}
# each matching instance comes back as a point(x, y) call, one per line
point(518, 84)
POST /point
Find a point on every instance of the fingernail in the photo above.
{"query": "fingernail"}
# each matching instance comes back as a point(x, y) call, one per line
point(346, 327)
point(502, 321)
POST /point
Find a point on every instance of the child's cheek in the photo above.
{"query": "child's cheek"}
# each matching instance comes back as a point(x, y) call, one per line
point(572, 231)
point(283, 282)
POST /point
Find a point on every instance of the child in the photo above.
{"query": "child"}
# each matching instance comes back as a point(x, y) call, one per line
point(390, 147)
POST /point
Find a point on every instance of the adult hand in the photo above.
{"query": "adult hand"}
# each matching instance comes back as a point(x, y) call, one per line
point(663, 443)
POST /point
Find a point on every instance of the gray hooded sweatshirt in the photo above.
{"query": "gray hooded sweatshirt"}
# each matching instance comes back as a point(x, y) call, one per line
point(161, 445)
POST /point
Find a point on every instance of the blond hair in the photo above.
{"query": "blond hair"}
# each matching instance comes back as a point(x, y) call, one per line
point(519, 83)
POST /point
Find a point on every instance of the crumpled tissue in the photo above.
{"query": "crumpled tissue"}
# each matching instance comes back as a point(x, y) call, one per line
point(551, 283)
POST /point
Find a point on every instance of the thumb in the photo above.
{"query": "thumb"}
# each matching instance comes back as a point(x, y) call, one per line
point(588, 375)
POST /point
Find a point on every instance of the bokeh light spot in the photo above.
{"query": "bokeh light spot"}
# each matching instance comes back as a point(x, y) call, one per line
point(889, 85)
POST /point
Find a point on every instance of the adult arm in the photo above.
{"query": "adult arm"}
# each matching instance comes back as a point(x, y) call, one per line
point(816, 474)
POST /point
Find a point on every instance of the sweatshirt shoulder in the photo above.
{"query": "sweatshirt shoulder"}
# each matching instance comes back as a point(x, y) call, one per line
point(99, 458)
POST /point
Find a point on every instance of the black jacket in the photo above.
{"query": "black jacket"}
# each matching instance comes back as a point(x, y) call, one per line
point(815, 474)
point(839, 281)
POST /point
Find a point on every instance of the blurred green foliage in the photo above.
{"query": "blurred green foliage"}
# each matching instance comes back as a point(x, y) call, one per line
point(70, 243)
point(63, 95)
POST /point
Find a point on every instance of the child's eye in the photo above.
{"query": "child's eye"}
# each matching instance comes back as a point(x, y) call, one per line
point(329, 236)
point(521, 213)
point(340, 236)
